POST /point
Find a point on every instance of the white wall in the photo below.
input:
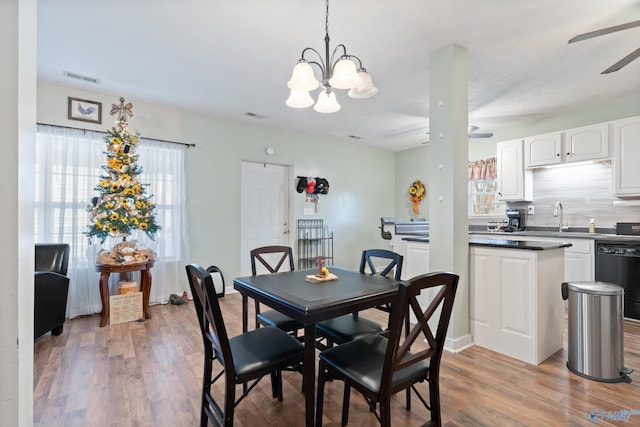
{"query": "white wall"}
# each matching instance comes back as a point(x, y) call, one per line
point(361, 187)
point(17, 121)
point(151, 120)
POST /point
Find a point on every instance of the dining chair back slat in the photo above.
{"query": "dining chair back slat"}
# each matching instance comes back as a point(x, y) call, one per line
point(274, 259)
point(243, 358)
point(380, 365)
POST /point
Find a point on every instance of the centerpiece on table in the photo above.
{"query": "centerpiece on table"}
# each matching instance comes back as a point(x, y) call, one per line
point(122, 207)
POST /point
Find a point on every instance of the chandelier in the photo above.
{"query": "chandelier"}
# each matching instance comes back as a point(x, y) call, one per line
point(340, 73)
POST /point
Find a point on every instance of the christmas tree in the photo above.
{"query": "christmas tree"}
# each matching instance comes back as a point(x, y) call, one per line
point(123, 205)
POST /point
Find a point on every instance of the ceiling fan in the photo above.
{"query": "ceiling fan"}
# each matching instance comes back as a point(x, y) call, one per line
point(472, 134)
point(624, 61)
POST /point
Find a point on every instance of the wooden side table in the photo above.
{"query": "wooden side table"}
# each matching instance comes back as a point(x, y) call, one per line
point(145, 285)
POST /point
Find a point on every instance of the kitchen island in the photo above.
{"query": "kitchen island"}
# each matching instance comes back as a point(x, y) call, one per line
point(515, 305)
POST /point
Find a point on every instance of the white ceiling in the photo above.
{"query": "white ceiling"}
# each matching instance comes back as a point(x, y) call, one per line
point(231, 57)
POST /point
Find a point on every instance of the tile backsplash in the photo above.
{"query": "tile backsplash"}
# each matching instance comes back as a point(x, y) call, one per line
point(584, 191)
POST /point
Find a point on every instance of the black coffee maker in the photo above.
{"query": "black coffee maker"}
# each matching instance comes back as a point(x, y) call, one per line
point(516, 220)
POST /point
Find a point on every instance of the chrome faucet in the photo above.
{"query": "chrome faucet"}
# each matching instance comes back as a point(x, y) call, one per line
point(557, 212)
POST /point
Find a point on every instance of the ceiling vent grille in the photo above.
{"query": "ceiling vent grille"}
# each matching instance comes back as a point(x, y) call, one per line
point(81, 77)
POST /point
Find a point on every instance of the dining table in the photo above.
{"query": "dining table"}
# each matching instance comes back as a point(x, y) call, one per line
point(308, 303)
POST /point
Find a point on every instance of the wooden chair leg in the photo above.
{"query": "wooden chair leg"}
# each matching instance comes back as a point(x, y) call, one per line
point(434, 401)
point(385, 413)
point(274, 384)
point(320, 395)
point(206, 390)
point(229, 402)
point(345, 404)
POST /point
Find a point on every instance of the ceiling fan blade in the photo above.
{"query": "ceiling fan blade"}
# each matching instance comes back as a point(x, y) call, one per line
point(604, 31)
point(624, 61)
point(480, 135)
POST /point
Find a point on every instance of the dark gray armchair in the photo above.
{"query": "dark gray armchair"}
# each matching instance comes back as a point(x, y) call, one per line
point(51, 288)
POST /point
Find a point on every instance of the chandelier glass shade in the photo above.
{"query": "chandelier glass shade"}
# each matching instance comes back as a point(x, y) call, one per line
point(346, 72)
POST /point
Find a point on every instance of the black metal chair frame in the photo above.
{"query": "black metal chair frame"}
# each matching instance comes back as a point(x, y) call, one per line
point(240, 363)
point(379, 366)
point(272, 317)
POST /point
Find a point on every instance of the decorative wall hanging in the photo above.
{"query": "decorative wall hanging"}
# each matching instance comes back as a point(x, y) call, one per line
point(84, 110)
point(416, 194)
point(312, 187)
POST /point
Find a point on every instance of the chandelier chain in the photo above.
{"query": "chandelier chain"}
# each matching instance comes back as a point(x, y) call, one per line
point(326, 19)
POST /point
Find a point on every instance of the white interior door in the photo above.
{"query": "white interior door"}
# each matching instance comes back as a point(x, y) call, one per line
point(264, 207)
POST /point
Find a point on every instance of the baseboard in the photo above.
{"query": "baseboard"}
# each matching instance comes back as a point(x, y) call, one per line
point(458, 344)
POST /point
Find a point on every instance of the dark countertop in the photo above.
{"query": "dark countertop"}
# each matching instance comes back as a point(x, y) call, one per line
point(557, 234)
point(517, 244)
point(503, 243)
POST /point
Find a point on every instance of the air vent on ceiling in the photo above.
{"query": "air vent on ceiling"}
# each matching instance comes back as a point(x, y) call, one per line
point(255, 115)
point(82, 77)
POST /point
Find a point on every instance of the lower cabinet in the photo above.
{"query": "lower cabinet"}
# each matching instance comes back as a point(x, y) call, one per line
point(579, 258)
point(516, 307)
point(416, 260)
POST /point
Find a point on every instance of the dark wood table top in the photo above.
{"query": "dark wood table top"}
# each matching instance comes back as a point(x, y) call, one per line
point(307, 302)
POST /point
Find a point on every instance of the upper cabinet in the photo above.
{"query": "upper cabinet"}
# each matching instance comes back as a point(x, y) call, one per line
point(514, 182)
point(573, 145)
point(587, 143)
point(543, 150)
point(626, 152)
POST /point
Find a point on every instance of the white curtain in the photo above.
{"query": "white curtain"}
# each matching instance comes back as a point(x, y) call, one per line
point(68, 166)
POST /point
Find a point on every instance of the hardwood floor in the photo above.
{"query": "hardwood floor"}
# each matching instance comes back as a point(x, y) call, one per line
point(148, 374)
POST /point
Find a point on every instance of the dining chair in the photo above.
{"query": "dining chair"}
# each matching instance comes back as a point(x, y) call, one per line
point(351, 326)
point(273, 258)
point(243, 358)
point(380, 365)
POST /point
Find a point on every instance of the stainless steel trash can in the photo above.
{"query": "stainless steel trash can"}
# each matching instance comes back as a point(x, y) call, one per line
point(596, 340)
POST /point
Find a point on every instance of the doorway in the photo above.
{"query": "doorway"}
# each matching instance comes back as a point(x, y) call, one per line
point(264, 208)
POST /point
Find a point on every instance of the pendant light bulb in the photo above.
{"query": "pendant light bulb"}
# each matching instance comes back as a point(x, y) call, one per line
point(299, 99)
point(366, 89)
point(302, 77)
point(344, 74)
point(327, 102)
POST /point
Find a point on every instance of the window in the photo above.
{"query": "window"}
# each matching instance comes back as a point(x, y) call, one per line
point(483, 200)
point(68, 166)
point(483, 193)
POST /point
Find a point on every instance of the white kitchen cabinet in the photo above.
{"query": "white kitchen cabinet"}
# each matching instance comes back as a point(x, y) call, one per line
point(626, 152)
point(515, 305)
point(515, 183)
point(573, 145)
point(542, 150)
point(416, 260)
point(579, 258)
point(587, 143)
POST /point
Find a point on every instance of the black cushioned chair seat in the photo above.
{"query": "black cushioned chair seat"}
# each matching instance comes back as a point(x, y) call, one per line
point(279, 320)
point(347, 359)
point(261, 349)
point(347, 328)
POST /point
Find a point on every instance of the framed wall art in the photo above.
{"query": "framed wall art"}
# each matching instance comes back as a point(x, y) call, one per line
point(84, 110)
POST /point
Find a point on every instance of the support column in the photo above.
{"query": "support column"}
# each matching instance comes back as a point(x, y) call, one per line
point(17, 121)
point(448, 193)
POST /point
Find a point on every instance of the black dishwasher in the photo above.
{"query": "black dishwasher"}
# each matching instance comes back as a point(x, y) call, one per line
point(618, 262)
